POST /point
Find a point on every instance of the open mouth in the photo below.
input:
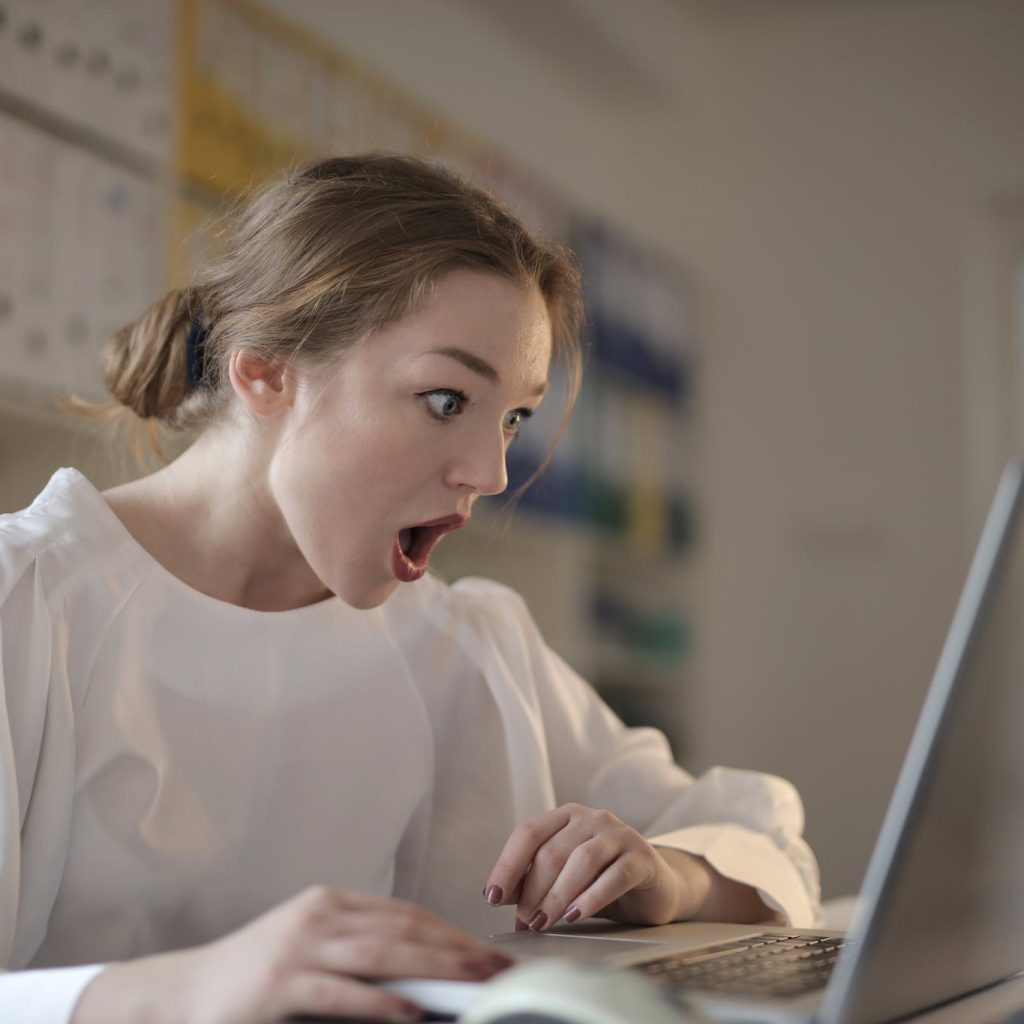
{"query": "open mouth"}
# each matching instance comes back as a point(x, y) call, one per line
point(413, 546)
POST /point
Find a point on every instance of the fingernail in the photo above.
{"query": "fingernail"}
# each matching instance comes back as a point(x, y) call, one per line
point(489, 963)
point(521, 925)
point(572, 914)
point(499, 961)
point(494, 895)
point(538, 920)
point(406, 1012)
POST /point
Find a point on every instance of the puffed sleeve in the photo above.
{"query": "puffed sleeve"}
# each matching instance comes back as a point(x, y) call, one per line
point(748, 825)
point(37, 755)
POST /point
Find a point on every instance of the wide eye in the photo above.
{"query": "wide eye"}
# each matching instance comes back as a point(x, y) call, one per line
point(515, 420)
point(444, 403)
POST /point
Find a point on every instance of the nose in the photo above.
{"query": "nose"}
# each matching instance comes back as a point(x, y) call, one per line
point(479, 466)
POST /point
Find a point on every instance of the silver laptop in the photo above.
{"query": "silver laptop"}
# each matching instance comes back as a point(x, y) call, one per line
point(941, 912)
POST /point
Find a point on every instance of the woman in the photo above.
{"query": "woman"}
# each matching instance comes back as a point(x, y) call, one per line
point(246, 738)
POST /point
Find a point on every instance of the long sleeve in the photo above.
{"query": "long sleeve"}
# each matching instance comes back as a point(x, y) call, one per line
point(748, 825)
point(36, 786)
point(43, 997)
point(173, 766)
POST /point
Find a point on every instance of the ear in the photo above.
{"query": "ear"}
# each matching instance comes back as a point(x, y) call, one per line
point(263, 385)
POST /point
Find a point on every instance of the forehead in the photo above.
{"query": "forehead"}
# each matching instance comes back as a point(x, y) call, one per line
point(499, 320)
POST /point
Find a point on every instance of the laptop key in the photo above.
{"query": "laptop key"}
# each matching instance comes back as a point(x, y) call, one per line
point(768, 964)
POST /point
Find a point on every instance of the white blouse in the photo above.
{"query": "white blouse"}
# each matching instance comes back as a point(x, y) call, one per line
point(172, 765)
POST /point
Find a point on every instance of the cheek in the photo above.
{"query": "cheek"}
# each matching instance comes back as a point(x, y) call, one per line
point(339, 493)
point(334, 458)
point(388, 460)
point(344, 481)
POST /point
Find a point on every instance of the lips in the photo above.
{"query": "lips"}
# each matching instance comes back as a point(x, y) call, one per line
point(412, 546)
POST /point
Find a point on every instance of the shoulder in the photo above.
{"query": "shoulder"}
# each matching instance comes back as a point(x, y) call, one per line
point(30, 531)
point(57, 507)
point(59, 539)
point(66, 574)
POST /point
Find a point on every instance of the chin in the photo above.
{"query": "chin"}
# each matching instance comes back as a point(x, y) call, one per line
point(365, 598)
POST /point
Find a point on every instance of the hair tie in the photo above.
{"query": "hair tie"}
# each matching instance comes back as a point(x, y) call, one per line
point(195, 352)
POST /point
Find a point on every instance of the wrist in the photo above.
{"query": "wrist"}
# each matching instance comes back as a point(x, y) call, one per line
point(707, 895)
point(129, 992)
point(109, 998)
point(694, 882)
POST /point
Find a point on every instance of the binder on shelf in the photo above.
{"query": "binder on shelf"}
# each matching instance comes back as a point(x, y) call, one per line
point(560, 490)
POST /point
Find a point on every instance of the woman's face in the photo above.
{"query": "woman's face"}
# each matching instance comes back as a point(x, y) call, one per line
point(412, 427)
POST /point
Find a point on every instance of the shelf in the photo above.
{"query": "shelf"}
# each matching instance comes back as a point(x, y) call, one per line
point(82, 137)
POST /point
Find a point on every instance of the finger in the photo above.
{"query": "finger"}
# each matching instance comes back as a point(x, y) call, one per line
point(331, 995)
point(513, 897)
point(322, 902)
point(375, 957)
point(579, 871)
point(549, 863)
point(325, 911)
point(515, 857)
point(351, 899)
point(621, 876)
point(403, 926)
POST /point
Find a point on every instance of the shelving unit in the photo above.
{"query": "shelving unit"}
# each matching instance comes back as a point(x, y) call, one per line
point(85, 138)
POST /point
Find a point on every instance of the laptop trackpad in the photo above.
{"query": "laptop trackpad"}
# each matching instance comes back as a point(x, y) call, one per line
point(584, 948)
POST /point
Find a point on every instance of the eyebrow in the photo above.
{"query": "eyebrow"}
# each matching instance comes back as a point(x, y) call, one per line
point(477, 365)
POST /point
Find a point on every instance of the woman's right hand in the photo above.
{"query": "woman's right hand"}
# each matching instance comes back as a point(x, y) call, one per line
point(313, 954)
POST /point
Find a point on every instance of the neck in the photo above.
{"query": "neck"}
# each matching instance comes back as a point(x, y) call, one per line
point(210, 518)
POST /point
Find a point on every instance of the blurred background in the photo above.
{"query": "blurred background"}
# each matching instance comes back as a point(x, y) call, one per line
point(801, 225)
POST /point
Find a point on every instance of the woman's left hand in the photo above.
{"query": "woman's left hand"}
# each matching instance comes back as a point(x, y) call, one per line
point(576, 861)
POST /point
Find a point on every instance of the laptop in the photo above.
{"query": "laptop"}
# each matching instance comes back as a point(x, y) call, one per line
point(941, 909)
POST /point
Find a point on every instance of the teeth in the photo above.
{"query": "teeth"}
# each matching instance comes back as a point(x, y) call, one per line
point(405, 541)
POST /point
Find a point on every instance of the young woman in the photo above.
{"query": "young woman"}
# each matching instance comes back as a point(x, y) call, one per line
point(249, 747)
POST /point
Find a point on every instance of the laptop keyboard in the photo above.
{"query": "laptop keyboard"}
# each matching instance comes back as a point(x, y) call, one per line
point(758, 965)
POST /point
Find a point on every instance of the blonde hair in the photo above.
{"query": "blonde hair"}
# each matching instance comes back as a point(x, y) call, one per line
point(318, 260)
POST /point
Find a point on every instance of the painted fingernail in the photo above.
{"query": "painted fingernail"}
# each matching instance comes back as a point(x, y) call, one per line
point(572, 914)
point(407, 1012)
point(499, 962)
point(488, 964)
point(521, 925)
point(494, 895)
point(538, 920)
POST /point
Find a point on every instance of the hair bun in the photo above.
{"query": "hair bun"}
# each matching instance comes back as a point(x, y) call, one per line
point(145, 364)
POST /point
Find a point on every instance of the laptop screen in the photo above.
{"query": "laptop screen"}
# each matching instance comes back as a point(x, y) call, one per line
point(945, 888)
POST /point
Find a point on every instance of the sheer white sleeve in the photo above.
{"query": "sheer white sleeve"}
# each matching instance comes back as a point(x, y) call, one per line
point(37, 753)
point(747, 824)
